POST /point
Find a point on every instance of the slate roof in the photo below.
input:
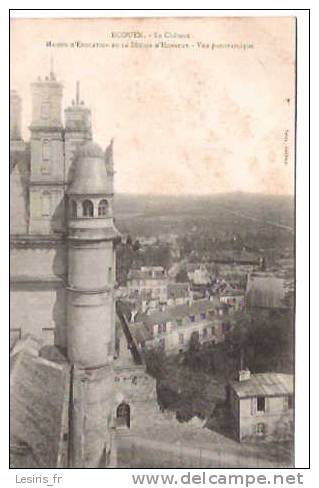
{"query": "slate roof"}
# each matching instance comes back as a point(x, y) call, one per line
point(150, 274)
point(264, 384)
point(265, 290)
point(180, 311)
point(178, 290)
point(89, 172)
point(141, 332)
point(38, 407)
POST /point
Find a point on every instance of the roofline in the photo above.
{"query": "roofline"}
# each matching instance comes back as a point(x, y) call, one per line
point(268, 395)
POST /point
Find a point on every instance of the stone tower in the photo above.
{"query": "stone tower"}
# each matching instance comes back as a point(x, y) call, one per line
point(47, 157)
point(78, 130)
point(90, 304)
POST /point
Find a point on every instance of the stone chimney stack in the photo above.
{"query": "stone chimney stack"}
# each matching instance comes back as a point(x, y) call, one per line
point(244, 375)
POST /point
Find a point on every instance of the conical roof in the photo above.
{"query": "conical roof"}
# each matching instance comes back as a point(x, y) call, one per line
point(89, 171)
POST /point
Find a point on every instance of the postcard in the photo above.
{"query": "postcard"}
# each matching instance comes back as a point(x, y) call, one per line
point(152, 231)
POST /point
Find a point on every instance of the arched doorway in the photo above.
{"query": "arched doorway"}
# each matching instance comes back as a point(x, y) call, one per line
point(123, 415)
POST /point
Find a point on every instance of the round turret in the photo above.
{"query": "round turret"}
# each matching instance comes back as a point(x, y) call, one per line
point(91, 260)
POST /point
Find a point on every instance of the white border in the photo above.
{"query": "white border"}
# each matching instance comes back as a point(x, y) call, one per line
point(101, 477)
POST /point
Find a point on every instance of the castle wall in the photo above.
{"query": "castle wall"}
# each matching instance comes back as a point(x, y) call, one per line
point(135, 387)
point(38, 262)
point(39, 310)
point(47, 209)
point(38, 297)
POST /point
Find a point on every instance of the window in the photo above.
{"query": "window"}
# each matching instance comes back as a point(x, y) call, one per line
point(261, 428)
point(192, 318)
point(73, 209)
point(179, 322)
point(181, 339)
point(109, 274)
point(203, 315)
point(46, 150)
point(290, 402)
point(261, 403)
point(45, 204)
point(212, 330)
point(162, 328)
point(123, 415)
point(103, 208)
point(226, 327)
point(45, 169)
point(48, 335)
point(204, 332)
point(45, 110)
point(88, 208)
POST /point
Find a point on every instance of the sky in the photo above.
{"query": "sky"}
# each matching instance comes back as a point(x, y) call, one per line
point(191, 120)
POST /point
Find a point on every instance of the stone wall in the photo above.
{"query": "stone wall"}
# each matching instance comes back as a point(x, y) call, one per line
point(39, 310)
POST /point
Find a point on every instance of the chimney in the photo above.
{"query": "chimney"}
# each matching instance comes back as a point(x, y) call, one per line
point(244, 375)
point(77, 98)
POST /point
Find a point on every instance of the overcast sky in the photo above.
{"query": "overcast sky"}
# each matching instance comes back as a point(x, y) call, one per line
point(184, 121)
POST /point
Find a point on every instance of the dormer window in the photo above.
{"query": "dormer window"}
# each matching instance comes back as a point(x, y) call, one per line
point(88, 208)
point(103, 208)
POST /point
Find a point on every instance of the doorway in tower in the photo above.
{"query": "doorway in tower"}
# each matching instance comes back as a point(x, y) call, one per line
point(123, 415)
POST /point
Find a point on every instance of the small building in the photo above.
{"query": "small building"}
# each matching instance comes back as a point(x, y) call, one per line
point(235, 299)
point(173, 328)
point(149, 279)
point(178, 293)
point(261, 406)
point(199, 276)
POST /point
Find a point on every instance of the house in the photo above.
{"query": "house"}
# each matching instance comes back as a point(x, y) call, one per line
point(178, 293)
point(235, 299)
point(229, 294)
point(262, 405)
point(148, 289)
point(148, 279)
point(173, 328)
point(199, 276)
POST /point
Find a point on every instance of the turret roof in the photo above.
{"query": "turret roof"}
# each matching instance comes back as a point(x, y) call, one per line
point(90, 176)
